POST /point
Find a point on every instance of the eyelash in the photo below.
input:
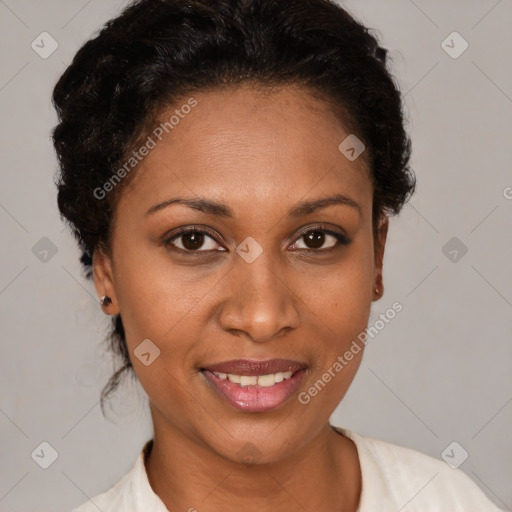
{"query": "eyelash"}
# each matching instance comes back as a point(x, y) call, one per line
point(342, 240)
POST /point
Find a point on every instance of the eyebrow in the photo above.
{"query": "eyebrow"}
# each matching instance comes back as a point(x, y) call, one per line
point(214, 208)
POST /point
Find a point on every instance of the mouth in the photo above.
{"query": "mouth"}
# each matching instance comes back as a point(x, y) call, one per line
point(255, 386)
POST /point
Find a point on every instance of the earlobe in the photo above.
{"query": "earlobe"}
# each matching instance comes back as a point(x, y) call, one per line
point(380, 244)
point(104, 282)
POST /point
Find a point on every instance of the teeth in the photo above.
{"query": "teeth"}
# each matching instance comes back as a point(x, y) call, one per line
point(264, 381)
point(279, 377)
point(248, 380)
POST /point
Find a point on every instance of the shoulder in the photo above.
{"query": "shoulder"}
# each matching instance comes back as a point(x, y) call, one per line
point(116, 498)
point(112, 500)
point(413, 481)
point(131, 493)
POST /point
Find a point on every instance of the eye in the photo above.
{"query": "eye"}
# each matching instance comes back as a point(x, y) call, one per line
point(193, 240)
point(320, 239)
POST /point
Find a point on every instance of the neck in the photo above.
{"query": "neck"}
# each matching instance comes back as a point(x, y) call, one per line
point(187, 475)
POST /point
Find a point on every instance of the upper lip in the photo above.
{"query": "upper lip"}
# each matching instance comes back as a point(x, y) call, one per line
point(253, 367)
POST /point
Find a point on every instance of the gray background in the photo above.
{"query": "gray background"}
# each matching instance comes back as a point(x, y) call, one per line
point(439, 372)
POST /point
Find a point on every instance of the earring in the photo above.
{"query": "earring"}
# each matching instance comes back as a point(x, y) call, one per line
point(105, 300)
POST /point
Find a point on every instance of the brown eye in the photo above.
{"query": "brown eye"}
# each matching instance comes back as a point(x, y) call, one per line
point(314, 239)
point(320, 240)
point(192, 240)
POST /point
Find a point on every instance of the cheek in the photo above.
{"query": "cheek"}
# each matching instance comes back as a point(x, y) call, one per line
point(340, 298)
point(154, 295)
point(339, 307)
point(163, 304)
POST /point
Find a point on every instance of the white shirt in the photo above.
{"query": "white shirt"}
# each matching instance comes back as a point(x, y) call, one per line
point(394, 479)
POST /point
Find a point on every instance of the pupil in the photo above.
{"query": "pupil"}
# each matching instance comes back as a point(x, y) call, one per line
point(315, 239)
point(193, 240)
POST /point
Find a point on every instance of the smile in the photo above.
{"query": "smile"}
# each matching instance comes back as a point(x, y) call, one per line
point(255, 386)
point(262, 381)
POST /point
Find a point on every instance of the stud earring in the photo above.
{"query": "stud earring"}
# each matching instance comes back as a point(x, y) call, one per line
point(105, 300)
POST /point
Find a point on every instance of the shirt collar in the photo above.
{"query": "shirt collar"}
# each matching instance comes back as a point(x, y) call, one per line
point(372, 493)
point(143, 496)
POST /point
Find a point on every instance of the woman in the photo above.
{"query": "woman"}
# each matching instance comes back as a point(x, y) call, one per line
point(228, 168)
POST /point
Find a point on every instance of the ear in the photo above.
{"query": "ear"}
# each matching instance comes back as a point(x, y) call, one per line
point(379, 245)
point(104, 280)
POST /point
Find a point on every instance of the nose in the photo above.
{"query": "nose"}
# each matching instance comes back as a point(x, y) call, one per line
point(261, 304)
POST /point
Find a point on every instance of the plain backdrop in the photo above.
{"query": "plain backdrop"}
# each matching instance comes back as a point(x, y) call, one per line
point(439, 372)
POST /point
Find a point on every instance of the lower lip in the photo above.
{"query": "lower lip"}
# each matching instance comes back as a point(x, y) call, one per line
point(254, 399)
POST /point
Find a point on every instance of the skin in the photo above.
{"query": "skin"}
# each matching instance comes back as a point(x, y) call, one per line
point(260, 154)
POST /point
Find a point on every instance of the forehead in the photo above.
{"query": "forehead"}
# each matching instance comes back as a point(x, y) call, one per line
point(249, 146)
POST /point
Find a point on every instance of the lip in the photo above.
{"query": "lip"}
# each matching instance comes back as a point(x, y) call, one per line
point(253, 367)
point(252, 398)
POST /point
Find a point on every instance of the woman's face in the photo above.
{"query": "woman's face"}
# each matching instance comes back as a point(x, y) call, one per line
point(262, 280)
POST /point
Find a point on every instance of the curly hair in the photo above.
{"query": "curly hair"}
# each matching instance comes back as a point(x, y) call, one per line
point(156, 51)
